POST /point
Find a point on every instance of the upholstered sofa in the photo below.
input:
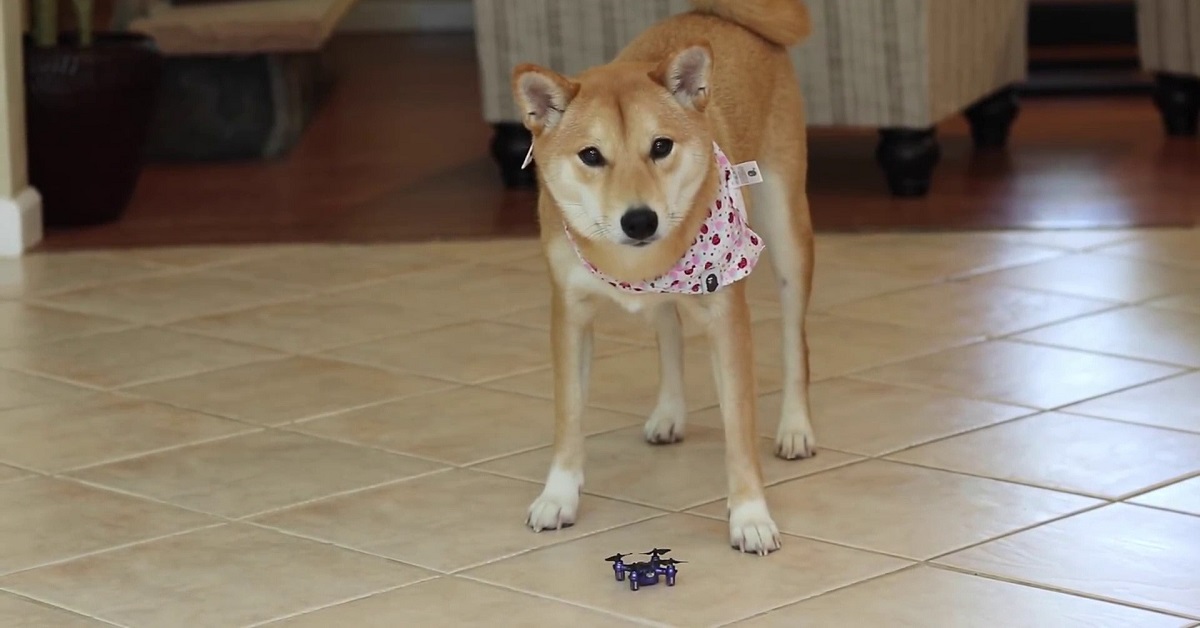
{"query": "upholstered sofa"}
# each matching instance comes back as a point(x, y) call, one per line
point(900, 66)
point(1169, 46)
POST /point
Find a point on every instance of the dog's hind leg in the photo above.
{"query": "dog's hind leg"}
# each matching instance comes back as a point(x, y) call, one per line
point(782, 217)
point(666, 423)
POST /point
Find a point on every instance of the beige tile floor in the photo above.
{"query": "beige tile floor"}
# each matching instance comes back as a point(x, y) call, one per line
point(349, 436)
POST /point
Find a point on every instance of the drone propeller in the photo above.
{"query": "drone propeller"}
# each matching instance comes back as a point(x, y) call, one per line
point(672, 561)
point(616, 557)
point(656, 552)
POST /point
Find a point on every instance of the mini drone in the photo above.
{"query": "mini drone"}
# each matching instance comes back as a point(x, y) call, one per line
point(646, 573)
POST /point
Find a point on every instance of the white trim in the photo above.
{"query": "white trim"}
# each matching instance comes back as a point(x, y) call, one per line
point(20, 222)
point(419, 16)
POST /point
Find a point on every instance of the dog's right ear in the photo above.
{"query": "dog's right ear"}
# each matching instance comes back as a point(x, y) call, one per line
point(543, 96)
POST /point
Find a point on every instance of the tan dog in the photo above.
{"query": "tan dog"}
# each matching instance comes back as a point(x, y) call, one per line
point(628, 185)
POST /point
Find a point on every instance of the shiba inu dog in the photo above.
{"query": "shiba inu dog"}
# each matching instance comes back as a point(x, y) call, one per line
point(642, 164)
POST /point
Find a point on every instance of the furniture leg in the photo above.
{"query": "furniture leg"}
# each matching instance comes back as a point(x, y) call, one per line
point(1178, 100)
point(908, 157)
point(992, 117)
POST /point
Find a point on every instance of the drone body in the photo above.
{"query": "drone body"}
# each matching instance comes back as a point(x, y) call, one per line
point(646, 573)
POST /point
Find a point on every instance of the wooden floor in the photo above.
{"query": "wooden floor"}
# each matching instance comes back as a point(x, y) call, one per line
point(399, 153)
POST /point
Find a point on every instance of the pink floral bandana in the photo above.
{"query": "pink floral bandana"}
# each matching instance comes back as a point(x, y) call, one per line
point(725, 250)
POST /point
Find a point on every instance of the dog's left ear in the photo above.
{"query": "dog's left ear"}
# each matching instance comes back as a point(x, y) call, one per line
point(686, 73)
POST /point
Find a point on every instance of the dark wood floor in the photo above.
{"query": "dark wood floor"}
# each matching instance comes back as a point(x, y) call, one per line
point(399, 153)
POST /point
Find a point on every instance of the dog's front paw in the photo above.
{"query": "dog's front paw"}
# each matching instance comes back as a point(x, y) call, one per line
point(558, 504)
point(665, 424)
point(552, 512)
point(795, 442)
point(751, 529)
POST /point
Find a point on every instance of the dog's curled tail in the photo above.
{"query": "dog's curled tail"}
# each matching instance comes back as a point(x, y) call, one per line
point(784, 22)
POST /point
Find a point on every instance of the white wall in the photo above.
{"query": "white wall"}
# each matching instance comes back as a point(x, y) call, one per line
point(20, 205)
point(431, 16)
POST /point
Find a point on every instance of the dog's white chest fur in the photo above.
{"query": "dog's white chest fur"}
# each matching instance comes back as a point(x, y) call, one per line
point(578, 280)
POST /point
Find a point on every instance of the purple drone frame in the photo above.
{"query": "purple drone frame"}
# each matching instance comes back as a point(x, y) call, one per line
point(647, 573)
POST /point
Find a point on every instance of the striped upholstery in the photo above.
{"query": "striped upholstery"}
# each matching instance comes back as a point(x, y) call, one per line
point(871, 63)
point(1169, 35)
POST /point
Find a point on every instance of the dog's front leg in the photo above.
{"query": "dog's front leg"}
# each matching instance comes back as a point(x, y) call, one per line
point(751, 528)
point(666, 422)
point(571, 335)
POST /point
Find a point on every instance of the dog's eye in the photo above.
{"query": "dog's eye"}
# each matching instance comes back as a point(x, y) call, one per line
point(661, 148)
point(591, 157)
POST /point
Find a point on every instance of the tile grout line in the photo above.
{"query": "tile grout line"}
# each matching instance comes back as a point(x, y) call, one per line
point(247, 518)
point(125, 385)
point(242, 519)
point(1162, 509)
point(462, 571)
point(1065, 491)
point(1104, 306)
point(362, 362)
point(1050, 254)
point(608, 612)
point(247, 430)
point(933, 559)
point(162, 322)
point(114, 548)
point(452, 264)
point(292, 427)
point(1191, 475)
point(1182, 367)
point(857, 377)
point(52, 378)
point(813, 539)
point(683, 509)
point(122, 327)
point(282, 427)
point(221, 519)
point(152, 273)
point(458, 571)
point(623, 500)
point(324, 352)
point(887, 574)
point(1053, 589)
point(342, 546)
point(887, 457)
point(930, 388)
point(1102, 504)
point(61, 608)
point(351, 600)
point(1165, 428)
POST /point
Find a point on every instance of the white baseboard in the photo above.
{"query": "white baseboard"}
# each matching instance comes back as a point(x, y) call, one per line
point(20, 222)
point(410, 16)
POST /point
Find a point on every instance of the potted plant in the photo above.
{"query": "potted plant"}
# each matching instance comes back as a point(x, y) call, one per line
point(89, 100)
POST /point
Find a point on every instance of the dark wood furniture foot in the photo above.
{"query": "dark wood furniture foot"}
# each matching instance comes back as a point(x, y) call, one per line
point(908, 157)
point(510, 144)
point(1178, 100)
point(992, 118)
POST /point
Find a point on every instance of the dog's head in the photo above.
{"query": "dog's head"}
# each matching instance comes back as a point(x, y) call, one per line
point(624, 149)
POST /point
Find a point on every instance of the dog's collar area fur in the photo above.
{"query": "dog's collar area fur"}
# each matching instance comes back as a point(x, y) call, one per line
point(725, 249)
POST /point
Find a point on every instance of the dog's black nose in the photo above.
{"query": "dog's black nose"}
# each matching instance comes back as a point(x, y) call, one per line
point(639, 223)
